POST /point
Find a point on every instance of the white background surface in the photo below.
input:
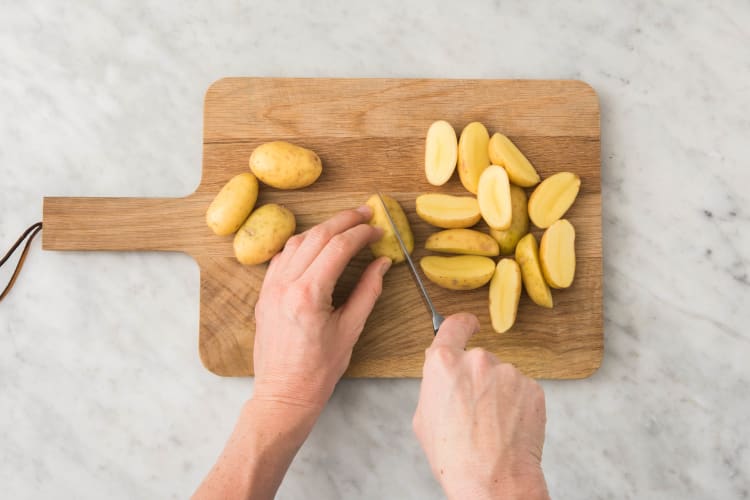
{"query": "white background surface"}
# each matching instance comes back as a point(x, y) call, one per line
point(102, 393)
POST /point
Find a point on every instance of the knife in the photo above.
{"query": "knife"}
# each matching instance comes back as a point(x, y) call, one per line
point(437, 319)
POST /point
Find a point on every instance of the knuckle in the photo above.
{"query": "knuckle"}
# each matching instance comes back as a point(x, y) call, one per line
point(509, 372)
point(294, 242)
point(320, 234)
point(300, 298)
point(479, 357)
point(441, 354)
point(341, 243)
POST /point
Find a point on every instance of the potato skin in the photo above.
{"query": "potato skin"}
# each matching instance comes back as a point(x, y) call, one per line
point(527, 256)
point(519, 223)
point(263, 234)
point(284, 165)
point(461, 272)
point(232, 204)
point(388, 245)
point(463, 241)
point(473, 155)
point(506, 154)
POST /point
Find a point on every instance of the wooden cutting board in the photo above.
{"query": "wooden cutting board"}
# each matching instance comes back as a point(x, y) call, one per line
point(370, 135)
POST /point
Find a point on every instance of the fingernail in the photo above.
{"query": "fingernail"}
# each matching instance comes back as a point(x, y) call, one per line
point(385, 265)
point(365, 210)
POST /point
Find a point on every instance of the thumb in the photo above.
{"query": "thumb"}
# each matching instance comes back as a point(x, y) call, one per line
point(353, 314)
point(456, 331)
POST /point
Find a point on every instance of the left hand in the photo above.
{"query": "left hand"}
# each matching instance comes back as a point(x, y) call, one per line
point(302, 344)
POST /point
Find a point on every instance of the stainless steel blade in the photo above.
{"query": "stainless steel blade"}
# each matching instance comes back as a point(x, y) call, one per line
point(437, 319)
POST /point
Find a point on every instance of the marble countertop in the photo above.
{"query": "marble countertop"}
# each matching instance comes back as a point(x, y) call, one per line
point(102, 393)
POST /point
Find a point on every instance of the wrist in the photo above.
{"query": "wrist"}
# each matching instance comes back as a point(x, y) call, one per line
point(281, 415)
point(526, 486)
point(281, 394)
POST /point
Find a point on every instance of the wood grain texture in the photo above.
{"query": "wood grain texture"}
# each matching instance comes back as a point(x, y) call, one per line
point(370, 135)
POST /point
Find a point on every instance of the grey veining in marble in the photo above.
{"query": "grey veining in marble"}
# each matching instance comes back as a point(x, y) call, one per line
point(101, 390)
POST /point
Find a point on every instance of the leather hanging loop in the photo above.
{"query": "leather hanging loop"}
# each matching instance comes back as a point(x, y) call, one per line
point(27, 235)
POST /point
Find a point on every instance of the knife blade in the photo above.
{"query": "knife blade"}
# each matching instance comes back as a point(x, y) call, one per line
point(437, 319)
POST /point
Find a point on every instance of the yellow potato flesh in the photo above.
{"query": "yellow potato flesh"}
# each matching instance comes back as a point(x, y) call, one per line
point(503, 152)
point(388, 245)
point(505, 292)
point(557, 254)
point(527, 256)
point(552, 198)
point(463, 241)
point(473, 155)
point(494, 198)
point(447, 211)
point(285, 166)
point(519, 223)
point(441, 153)
point(263, 234)
point(232, 204)
point(463, 272)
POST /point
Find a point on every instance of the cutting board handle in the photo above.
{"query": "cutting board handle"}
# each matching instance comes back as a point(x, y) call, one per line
point(118, 223)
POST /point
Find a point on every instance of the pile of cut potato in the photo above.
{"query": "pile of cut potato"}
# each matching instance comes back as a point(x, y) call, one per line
point(262, 233)
point(496, 172)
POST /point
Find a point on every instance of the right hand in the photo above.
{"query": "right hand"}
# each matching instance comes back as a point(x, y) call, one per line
point(480, 422)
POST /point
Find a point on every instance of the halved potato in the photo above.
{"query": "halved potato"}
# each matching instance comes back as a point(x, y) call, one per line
point(447, 211)
point(463, 272)
point(505, 292)
point(519, 222)
point(557, 254)
point(473, 156)
point(527, 256)
point(463, 241)
point(440, 153)
point(494, 197)
point(504, 153)
point(552, 198)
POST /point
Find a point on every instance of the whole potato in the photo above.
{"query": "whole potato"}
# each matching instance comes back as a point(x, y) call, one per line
point(233, 204)
point(263, 234)
point(388, 244)
point(519, 223)
point(285, 166)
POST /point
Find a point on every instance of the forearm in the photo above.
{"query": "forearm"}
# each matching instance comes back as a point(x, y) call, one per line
point(259, 451)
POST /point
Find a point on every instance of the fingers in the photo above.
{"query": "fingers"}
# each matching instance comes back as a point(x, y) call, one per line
point(353, 314)
point(317, 238)
point(335, 256)
point(456, 331)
